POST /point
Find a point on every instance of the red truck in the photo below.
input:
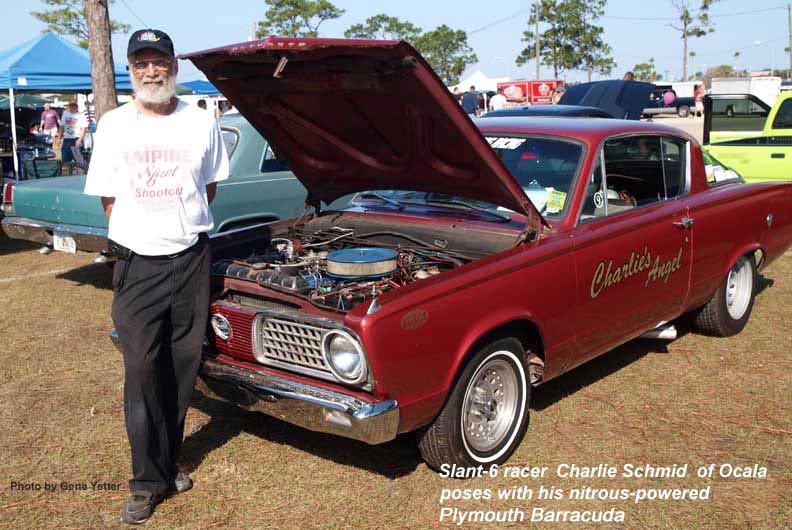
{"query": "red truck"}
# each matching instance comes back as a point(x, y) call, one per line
point(476, 261)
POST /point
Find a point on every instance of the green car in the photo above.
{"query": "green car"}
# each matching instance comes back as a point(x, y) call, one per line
point(747, 135)
point(56, 213)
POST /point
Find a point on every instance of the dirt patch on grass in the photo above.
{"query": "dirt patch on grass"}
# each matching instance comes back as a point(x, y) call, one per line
point(694, 401)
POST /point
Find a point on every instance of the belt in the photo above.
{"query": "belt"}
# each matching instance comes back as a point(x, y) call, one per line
point(122, 252)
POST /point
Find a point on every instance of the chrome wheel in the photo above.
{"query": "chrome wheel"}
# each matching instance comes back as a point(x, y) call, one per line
point(490, 405)
point(739, 288)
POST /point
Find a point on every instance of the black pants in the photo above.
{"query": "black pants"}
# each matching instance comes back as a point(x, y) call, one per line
point(160, 311)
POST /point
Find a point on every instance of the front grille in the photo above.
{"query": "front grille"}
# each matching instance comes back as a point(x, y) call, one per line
point(291, 345)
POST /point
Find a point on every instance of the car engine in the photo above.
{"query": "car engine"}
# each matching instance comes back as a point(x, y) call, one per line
point(334, 268)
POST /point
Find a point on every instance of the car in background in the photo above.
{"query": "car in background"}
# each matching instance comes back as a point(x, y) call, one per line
point(681, 106)
point(599, 99)
point(56, 213)
point(746, 134)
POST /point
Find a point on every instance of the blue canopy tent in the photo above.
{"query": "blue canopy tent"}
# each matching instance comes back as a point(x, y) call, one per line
point(48, 63)
point(201, 88)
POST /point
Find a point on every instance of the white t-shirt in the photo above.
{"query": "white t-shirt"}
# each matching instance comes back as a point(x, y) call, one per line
point(157, 168)
point(73, 124)
point(498, 101)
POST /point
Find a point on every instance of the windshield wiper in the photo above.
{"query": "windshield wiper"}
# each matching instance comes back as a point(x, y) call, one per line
point(383, 198)
point(459, 202)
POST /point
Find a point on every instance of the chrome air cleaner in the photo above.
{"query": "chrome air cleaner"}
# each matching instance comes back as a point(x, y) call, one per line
point(352, 263)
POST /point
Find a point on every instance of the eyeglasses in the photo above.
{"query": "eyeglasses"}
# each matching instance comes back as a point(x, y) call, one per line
point(159, 64)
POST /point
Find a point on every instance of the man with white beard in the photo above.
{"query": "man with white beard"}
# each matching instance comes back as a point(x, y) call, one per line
point(155, 165)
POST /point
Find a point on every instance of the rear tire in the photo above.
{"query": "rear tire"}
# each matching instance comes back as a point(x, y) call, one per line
point(683, 111)
point(728, 310)
point(486, 415)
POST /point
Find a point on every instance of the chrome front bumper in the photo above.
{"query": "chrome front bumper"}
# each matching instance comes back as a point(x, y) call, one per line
point(310, 407)
point(87, 238)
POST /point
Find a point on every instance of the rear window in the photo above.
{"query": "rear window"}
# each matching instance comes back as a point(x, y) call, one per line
point(783, 118)
point(716, 171)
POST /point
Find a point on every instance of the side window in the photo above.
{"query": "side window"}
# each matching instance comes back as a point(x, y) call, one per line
point(230, 139)
point(271, 164)
point(783, 118)
point(738, 114)
point(674, 167)
point(639, 170)
point(633, 171)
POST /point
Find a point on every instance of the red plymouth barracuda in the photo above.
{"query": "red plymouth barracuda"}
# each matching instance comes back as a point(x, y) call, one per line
point(476, 261)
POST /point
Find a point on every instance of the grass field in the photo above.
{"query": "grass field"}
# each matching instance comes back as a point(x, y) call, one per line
point(695, 401)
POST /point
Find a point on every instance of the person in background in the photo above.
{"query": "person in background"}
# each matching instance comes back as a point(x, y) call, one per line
point(50, 121)
point(470, 102)
point(457, 94)
point(558, 92)
point(202, 103)
point(498, 101)
point(90, 117)
point(72, 131)
point(698, 97)
point(629, 76)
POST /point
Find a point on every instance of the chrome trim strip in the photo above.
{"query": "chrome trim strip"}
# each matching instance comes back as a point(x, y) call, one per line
point(87, 238)
point(306, 406)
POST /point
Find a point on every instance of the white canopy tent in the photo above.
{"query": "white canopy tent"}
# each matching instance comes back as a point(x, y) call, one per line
point(480, 80)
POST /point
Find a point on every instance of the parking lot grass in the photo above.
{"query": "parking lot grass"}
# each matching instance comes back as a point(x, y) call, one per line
point(696, 400)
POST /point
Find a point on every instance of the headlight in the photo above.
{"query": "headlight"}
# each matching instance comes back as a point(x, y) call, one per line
point(344, 356)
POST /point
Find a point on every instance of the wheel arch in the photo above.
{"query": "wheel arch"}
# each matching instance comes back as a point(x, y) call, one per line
point(524, 328)
point(754, 250)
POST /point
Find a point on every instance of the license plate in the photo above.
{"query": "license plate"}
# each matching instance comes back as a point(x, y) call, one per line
point(63, 243)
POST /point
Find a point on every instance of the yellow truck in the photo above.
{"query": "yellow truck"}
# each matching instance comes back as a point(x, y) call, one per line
point(747, 135)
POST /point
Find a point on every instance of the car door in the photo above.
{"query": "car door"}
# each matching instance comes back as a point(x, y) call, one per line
point(731, 117)
point(632, 244)
point(765, 157)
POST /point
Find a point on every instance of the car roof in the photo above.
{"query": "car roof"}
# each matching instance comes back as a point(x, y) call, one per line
point(590, 130)
point(550, 110)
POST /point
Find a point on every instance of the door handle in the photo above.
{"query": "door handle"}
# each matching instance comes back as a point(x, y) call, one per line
point(685, 222)
point(777, 155)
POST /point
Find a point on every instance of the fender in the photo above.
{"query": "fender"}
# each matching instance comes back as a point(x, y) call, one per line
point(742, 250)
point(484, 326)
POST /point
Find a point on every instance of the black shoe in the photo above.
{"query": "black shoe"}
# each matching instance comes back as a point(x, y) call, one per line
point(139, 507)
point(181, 483)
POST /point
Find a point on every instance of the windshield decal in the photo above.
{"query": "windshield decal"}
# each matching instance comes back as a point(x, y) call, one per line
point(504, 142)
point(555, 201)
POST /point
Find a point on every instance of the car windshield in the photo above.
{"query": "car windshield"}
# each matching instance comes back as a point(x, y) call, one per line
point(544, 167)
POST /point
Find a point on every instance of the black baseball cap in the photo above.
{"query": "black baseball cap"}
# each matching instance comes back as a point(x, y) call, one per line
point(152, 39)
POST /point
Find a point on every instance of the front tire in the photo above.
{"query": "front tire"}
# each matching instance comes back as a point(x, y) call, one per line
point(728, 310)
point(486, 415)
point(683, 111)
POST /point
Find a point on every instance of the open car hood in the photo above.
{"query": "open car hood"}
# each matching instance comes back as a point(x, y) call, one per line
point(354, 115)
point(621, 99)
